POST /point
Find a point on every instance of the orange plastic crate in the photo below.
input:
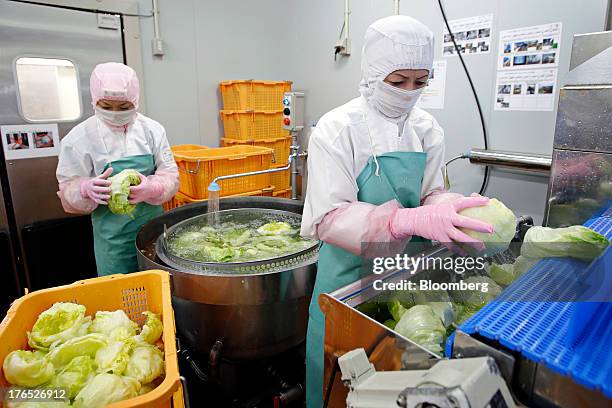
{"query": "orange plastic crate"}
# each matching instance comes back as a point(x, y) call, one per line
point(186, 147)
point(281, 146)
point(181, 199)
point(251, 94)
point(133, 293)
point(253, 125)
point(282, 193)
point(281, 180)
point(198, 168)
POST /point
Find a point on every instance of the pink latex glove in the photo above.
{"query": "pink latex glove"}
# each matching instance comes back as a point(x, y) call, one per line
point(97, 188)
point(441, 222)
point(146, 191)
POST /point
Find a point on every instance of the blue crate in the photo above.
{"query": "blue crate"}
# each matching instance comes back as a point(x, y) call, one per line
point(537, 317)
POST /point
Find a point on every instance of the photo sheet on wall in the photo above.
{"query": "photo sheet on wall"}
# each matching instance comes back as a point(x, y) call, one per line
point(527, 65)
point(472, 35)
point(30, 141)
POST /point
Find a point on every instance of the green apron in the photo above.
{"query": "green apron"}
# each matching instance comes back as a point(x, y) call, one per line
point(399, 177)
point(115, 234)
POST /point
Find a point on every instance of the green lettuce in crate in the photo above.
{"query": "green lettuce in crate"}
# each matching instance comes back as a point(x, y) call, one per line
point(120, 191)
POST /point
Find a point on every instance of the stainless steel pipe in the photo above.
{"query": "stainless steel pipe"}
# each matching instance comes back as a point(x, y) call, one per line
point(516, 160)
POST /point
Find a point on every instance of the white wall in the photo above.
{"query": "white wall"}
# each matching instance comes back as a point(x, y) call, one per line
point(208, 41)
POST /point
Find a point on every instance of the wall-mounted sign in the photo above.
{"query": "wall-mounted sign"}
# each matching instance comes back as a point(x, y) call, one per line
point(30, 141)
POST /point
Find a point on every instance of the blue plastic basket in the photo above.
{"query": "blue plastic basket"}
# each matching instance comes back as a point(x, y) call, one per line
point(536, 316)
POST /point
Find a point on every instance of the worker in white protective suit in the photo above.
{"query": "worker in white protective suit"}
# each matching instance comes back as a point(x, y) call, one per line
point(375, 173)
point(117, 137)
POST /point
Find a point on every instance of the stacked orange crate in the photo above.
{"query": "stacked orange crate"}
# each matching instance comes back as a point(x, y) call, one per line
point(252, 115)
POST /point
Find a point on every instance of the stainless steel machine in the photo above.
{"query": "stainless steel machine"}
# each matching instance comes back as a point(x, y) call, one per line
point(581, 175)
point(242, 326)
point(61, 47)
point(252, 312)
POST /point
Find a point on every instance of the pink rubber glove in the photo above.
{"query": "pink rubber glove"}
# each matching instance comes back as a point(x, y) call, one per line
point(441, 222)
point(146, 191)
point(97, 188)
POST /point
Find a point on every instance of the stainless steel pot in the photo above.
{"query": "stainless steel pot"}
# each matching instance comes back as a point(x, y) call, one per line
point(254, 315)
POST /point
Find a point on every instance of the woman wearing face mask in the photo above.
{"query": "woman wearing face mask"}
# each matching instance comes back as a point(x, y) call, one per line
point(114, 139)
point(375, 173)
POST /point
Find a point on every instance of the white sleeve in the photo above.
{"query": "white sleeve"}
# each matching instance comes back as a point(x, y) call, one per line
point(72, 164)
point(433, 145)
point(164, 159)
point(331, 179)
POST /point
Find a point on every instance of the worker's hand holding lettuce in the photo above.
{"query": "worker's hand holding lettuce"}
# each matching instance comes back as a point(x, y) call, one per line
point(443, 222)
point(98, 189)
point(475, 222)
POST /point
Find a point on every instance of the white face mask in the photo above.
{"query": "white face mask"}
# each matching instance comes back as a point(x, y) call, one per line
point(116, 118)
point(392, 101)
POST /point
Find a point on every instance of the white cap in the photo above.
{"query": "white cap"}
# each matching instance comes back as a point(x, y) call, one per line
point(394, 43)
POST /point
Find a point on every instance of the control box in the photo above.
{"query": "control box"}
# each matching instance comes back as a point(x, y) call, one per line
point(293, 111)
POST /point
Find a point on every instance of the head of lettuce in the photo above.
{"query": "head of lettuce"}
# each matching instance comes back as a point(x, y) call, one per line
point(120, 191)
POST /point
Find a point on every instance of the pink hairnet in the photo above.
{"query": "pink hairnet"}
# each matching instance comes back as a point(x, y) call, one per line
point(114, 81)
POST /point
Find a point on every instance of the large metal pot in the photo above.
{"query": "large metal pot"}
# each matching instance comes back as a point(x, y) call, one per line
point(254, 315)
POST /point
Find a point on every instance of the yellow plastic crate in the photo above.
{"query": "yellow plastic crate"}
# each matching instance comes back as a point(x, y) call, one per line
point(281, 146)
point(181, 199)
point(133, 293)
point(251, 94)
point(281, 180)
point(198, 168)
point(253, 125)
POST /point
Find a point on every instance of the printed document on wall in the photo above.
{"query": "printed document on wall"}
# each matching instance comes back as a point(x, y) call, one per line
point(526, 90)
point(30, 141)
point(433, 94)
point(472, 35)
point(529, 47)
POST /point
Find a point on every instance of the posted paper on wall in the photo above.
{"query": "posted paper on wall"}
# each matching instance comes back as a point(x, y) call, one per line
point(526, 90)
point(472, 35)
point(30, 141)
point(529, 47)
point(433, 94)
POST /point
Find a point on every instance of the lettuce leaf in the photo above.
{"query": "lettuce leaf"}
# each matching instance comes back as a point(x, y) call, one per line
point(116, 325)
point(114, 357)
point(75, 375)
point(105, 389)
point(502, 219)
point(577, 242)
point(421, 325)
point(151, 330)
point(146, 363)
point(120, 191)
point(59, 323)
point(27, 368)
point(86, 345)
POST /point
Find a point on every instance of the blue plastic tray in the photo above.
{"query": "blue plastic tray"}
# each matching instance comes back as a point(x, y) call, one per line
point(536, 317)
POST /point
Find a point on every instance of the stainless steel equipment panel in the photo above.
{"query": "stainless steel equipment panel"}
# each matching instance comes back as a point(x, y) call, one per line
point(34, 30)
point(580, 184)
point(42, 31)
point(583, 119)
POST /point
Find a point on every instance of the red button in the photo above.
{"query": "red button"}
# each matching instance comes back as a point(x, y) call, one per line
point(287, 121)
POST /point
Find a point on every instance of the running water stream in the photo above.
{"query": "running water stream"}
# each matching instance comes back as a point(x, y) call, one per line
point(213, 204)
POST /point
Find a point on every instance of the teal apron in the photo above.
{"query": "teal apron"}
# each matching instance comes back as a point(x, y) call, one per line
point(400, 175)
point(115, 234)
